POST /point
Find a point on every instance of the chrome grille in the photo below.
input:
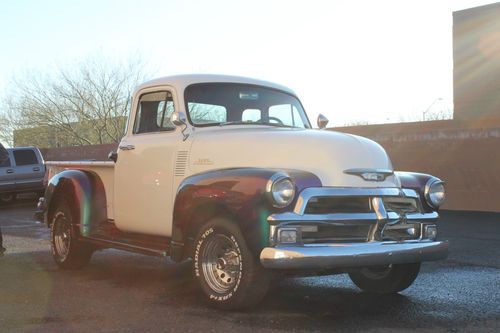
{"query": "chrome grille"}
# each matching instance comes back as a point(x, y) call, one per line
point(328, 233)
point(401, 205)
point(342, 214)
point(334, 205)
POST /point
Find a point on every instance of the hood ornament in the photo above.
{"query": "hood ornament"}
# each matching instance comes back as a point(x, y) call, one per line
point(371, 175)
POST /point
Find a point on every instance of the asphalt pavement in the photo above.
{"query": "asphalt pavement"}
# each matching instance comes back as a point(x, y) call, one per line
point(123, 292)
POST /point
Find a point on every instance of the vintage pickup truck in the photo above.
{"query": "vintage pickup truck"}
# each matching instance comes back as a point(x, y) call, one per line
point(228, 173)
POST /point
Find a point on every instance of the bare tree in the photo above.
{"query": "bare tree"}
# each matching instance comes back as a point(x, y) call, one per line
point(80, 105)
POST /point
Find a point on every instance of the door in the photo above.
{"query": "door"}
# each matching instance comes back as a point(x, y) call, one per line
point(29, 170)
point(144, 168)
point(7, 175)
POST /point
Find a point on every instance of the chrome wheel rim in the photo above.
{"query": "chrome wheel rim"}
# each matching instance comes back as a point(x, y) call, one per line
point(62, 236)
point(221, 263)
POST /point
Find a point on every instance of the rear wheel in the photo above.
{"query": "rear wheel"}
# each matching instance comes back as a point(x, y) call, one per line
point(68, 252)
point(228, 273)
point(385, 279)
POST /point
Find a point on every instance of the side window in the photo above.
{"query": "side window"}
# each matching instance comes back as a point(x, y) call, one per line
point(154, 112)
point(25, 157)
point(287, 113)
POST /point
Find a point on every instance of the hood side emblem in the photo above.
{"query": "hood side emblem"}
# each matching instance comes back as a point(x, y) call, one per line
point(371, 175)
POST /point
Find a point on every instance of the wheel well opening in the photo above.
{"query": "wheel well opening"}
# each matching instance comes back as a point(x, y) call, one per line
point(201, 215)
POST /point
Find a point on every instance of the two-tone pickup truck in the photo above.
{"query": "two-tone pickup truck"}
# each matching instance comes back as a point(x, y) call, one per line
point(227, 172)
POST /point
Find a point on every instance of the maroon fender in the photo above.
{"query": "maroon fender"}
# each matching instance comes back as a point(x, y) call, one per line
point(417, 182)
point(238, 193)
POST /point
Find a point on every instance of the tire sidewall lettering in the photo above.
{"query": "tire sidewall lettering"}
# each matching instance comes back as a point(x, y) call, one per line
point(197, 264)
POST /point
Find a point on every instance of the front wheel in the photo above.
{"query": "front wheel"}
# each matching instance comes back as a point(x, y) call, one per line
point(385, 279)
point(68, 252)
point(229, 275)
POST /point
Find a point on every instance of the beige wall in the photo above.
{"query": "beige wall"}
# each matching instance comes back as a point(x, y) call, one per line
point(464, 154)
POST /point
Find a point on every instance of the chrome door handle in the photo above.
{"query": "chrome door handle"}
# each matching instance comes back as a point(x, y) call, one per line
point(127, 147)
point(36, 169)
point(10, 171)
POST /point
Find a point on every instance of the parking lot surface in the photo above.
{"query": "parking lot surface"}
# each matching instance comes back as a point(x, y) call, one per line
point(123, 292)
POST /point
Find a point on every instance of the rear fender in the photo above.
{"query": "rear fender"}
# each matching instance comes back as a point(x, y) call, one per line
point(87, 196)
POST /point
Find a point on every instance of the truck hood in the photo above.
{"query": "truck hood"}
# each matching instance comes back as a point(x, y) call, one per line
point(326, 154)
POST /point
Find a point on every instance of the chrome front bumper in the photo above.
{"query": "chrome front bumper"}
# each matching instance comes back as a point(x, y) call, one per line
point(344, 255)
point(376, 250)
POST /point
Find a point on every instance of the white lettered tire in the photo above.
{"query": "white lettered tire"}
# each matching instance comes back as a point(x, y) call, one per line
point(229, 275)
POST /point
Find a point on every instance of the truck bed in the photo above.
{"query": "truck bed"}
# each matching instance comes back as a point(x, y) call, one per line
point(104, 169)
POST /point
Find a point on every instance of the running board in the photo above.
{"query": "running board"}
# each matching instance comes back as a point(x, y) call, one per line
point(108, 243)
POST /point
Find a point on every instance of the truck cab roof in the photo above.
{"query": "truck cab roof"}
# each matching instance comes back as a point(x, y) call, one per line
point(183, 81)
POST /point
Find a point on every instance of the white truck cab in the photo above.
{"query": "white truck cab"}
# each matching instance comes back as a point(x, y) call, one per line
point(228, 171)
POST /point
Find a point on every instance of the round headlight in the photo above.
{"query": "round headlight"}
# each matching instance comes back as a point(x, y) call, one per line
point(434, 192)
point(281, 189)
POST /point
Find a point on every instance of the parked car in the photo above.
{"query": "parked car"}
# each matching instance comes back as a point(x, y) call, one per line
point(228, 171)
point(22, 172)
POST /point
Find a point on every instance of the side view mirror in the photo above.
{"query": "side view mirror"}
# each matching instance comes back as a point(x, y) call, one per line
point(322, 121)
point(179, 119)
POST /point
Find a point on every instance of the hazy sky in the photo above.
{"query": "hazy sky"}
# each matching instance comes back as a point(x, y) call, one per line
point(375, 61)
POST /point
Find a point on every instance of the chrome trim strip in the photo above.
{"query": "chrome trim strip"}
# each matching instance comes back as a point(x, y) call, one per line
point(350, 217)
point(358, 171)
point(344, 255)
point(289, 216)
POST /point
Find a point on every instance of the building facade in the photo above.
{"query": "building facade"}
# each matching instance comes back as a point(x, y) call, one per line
point(476, 57)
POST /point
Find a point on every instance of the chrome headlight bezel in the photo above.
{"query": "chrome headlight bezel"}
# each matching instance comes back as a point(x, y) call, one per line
point(433, 186)
point(281, 190)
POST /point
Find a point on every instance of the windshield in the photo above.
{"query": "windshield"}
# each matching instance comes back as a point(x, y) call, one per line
point(212, 104)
